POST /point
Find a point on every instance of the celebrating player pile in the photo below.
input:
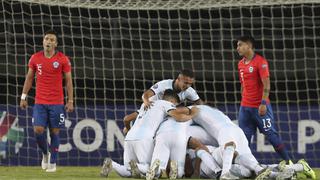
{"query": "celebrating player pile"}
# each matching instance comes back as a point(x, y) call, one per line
point(161, 133)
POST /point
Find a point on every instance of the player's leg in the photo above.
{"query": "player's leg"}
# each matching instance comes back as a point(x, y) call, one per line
point(202, 152)
point(143, 150)
point(40, 123)
point(121, 170)
point(266, 126)
point(128, 155)
point(246, 123)
point(160, 157)
point(56, 121)
point(178, 150)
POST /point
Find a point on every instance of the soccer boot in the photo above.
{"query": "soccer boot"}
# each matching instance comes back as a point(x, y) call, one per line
point(307, 170)
point(153, 170)
point(51, 167)
point(173, 170)
point(106, 167)
point(135, 172)
point(263, 174)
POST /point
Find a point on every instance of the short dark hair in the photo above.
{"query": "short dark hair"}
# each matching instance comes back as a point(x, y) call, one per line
point(51, 31)
point(169, 93)
point(247, 39)
point(187, 72)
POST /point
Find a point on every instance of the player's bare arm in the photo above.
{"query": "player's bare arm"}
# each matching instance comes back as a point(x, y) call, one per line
point(265, 95)
point(69, 85)
point(26, 87)
point(145, 98)
point(182, 117)
point(198, 102)
point(126, 121)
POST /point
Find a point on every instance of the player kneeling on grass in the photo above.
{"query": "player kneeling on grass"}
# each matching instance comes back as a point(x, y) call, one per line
point(170, 143)
point(238, 171)
point(139, 142)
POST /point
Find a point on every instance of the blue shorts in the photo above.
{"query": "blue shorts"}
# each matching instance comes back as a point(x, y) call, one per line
point(52, 116)
point(250, 120)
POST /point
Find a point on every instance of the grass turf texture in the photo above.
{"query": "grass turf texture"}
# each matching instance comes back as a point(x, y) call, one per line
point(63, 173)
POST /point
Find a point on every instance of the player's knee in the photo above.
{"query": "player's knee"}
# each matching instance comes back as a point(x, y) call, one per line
point(38, 129)
point(54, 131)
point(231, 143)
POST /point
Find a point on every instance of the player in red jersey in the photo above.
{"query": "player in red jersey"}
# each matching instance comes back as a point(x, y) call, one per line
point(49, 66)
point(255, 109)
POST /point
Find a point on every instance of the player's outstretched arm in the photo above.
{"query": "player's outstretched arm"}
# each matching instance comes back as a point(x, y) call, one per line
point(126, 121)
point(182, 117)
point(26, 87)
point(145, 98)
point(198, 102)
point(69, 85)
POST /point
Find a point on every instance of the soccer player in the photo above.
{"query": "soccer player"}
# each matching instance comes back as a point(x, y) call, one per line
point(139, 143)
point(49, 66)
point(181, 85)
point(167, 148)
point(217, 124)
point(255, 110)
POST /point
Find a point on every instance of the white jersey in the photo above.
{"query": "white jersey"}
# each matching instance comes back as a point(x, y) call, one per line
point(220, 127)
point(212, 120)
point(159, 88)
point(200, 134)
point(147, 122)
point(171, 125)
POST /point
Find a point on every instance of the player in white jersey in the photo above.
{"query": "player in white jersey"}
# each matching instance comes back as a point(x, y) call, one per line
point(200, 134)
point(170, 143)
point(181, 85)
point(237, 170)
point(138, 145)
point(230, 137)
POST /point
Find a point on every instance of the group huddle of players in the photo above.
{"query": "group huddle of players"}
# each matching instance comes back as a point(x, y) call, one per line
point(167, 139)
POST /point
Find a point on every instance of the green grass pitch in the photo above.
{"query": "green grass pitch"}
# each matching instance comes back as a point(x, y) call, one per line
point(63, 173)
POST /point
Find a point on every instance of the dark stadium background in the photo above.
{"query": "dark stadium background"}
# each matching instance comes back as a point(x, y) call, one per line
point(291, 46)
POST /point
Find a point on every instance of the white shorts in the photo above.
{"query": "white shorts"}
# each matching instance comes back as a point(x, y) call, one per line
point(173, 146)
point(138, 150)
point(236, 135)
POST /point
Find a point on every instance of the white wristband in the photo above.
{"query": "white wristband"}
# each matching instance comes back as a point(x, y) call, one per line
point(23, 96)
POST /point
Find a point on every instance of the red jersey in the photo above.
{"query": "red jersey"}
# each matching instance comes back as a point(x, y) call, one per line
point(250, 78)
point(49, 75)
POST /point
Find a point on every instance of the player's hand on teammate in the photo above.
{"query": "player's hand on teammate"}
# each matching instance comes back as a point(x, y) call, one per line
point(147, 104)
point(262, 109)
point(23, 104)
point(69, 106)
point(125, 131)
point(194, 111)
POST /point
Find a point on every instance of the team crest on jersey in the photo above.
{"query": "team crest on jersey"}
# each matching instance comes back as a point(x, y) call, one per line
point(155, 86)
point(55, 64)
point(250, 69)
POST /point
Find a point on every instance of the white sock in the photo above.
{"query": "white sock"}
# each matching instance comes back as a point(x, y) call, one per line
point(227, 157)
point(121, 169)
point(296, 167)
point(143, 168)
point(249, 161)
point(240, 171)
point(208, 160)
point(273, 174)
